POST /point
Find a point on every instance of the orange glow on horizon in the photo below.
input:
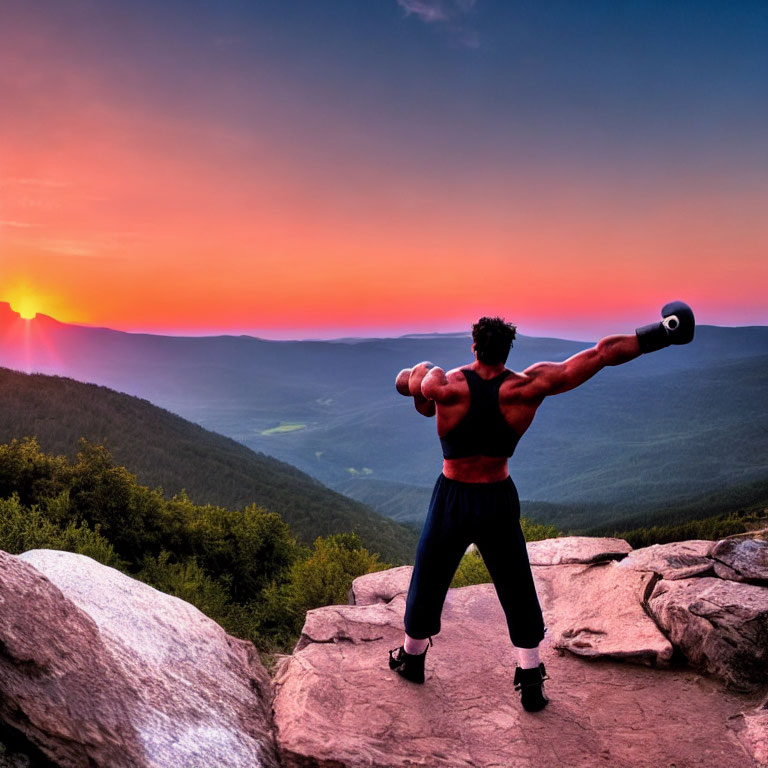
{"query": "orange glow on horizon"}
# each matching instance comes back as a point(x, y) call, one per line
point(24, 312)
point(29, 296)
point(563, 261)
point(150, 224)
point(251, 203)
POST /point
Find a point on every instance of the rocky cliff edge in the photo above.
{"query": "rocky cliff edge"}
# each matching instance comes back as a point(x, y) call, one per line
point(656, 657)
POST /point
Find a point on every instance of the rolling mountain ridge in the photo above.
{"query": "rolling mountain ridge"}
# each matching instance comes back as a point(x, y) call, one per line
point(166, 451)
point(680, 422)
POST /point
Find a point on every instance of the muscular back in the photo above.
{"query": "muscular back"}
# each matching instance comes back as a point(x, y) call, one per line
point(517, 409)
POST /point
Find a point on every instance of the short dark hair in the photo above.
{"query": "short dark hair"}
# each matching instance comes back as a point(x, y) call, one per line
point(493, 339)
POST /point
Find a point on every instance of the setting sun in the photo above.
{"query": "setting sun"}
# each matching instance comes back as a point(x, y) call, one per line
point(31, 299)
point(26, 306)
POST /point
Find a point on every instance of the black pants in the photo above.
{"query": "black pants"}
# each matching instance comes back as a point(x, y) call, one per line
point(488, 515)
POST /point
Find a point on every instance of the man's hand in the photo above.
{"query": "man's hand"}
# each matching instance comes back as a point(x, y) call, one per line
point(408, 383)
point(418, 372)
point(676, 327)
point(401, 382)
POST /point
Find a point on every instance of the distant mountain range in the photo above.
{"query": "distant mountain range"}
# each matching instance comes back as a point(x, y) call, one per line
point(668, 426)
point(166, 451)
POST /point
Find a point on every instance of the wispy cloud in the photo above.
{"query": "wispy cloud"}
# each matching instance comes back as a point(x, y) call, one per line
point(431, 11)
point(67, 247)
point(447, 13)
point(15, 224)
point(33, 182)
point(424, 9)
point(101, 244)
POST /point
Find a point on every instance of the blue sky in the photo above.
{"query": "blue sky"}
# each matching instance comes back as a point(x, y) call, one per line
point(606, 153)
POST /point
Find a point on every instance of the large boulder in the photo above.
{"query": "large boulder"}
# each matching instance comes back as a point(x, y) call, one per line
point(137, 677)
point(337, 704)
point(721, 626)
point(576, 549)
point(597, 611)
point(742, 559)
point(679, 560)
point(58, 686)
point(381, 586)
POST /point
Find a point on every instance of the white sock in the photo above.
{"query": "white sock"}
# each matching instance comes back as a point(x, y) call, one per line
point(527, 657)
point(415, 647)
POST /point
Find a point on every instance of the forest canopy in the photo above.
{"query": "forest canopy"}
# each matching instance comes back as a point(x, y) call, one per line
point(242, 567)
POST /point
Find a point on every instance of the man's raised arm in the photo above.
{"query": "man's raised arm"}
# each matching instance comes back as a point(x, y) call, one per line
point(544, 379)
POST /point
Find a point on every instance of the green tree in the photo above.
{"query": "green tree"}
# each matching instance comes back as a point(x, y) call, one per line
point(24, 528)
point(252, 547)
point(186, 580)
point(104, 494)
point(29, 473)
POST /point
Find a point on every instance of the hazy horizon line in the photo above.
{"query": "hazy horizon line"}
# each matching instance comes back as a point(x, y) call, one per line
point(342, 335)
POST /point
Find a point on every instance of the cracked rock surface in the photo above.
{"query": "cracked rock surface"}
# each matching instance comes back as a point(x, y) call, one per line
point(338, 705)
point(720, 625)
point(597, 611)
point(576, 549)
point(743, 559)
point(679, 560)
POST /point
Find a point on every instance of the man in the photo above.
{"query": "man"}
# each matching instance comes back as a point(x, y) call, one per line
point(483, 409)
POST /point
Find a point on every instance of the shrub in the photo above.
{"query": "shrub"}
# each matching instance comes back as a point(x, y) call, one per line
point(251, 547)
point(186, 580)
point(29, 473)
point(24, 528)
point(538, 531)
point(325, 577)
point(471, 570)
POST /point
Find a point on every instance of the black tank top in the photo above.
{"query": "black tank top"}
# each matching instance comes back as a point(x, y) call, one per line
point(483, 431)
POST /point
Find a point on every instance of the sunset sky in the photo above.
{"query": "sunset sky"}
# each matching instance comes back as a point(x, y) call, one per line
point(318, 168)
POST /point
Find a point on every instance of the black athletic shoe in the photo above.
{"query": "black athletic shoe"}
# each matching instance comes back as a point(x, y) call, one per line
point(408, 665)
point(530, 683)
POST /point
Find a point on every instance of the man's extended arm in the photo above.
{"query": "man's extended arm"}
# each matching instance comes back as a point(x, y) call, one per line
point(544, 379)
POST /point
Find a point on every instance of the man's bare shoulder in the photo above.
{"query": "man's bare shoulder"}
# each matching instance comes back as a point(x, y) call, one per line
point(445, 388)
point(518, 385)
point(456, 374)
point(456, 383)
point(515, 379)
